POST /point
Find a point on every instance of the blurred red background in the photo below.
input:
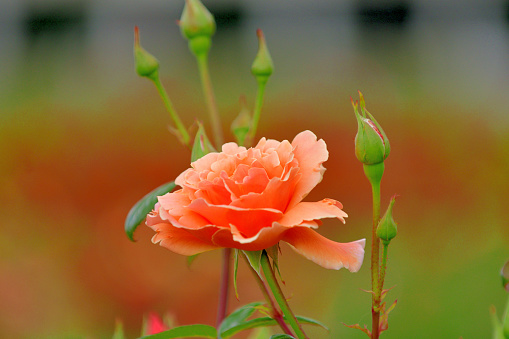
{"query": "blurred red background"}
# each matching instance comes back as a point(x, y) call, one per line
point(82, 138)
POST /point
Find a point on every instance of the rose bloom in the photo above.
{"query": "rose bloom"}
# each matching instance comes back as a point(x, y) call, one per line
point(251, 199)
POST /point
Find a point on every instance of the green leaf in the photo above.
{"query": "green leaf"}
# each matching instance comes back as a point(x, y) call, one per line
point(309, 321)
point(248, 324)
point(235, 269)
point(260, 333)
point(264, 321)
point(282, 336)
point(239, 316)
point(140, 210)
point(187, 331)
point(254, 258)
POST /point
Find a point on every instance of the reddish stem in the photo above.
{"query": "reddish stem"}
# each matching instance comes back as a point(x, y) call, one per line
point(224, 287)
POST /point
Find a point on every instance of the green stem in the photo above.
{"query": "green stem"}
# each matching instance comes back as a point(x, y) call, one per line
point(169, 107)
point(260, 93)
point(210, 98)
point(505, 320)
point(374, 174)
point(383, 267)
point(276, 314)
point(268, 271)
point(375, 255)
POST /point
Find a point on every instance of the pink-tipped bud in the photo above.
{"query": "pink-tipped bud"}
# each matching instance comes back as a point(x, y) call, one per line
point(504, 274)
point(371, 144)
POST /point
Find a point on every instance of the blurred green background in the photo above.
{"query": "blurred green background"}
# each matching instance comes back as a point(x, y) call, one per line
point(82, 138)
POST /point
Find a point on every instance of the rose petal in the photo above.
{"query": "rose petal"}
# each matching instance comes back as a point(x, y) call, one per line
point(311, 154)
point(248, 221)
point(180, 240)
point(326, 208)
point(276, 195)
point(174, 203)
point(265, 238)
point(325, 252)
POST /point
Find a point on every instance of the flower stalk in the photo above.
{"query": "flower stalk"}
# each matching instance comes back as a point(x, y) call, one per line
point(275, 312)
point(262, 69)
point(268, 272)
point(224, 287)
point(374, 175)
point(147, 66)
point(372, 148)
point(210, 98)
point(197, 25)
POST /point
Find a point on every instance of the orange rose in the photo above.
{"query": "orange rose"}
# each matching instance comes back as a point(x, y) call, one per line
point(250, 199)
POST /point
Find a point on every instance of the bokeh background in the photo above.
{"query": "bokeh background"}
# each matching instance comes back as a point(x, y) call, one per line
point(82, 138)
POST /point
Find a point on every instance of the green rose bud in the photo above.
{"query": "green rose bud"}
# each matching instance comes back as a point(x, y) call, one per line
point(387, 227)
point(262, 66)
point(202, 145)
point(240, 126)
point(371, 144)
point(146, 64)
point(197, 25)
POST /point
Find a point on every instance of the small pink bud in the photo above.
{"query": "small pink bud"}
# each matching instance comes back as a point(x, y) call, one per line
point(504, 274)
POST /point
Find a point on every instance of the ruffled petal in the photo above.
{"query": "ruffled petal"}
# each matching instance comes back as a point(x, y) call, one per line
point(248, 221)
point(265, 238)
point(174, 203)
point(324, 252)
point(310, 153)
point(180, 240)
point(326, 208)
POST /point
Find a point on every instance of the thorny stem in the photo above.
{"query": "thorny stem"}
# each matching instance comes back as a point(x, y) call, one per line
point(383, 267)
point(208, 91)
point(374, 174)
point(268, 271)
point(375, 254)
point(169, 107)
point(276, 314)
point(224, 287)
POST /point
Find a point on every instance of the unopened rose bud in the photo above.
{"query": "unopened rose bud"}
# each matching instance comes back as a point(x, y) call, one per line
point(146, 64)
point(262, 66)
point(198, 26)
point(387, 227)
point(240, 126)
point(202, 145)
point(371, 144)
